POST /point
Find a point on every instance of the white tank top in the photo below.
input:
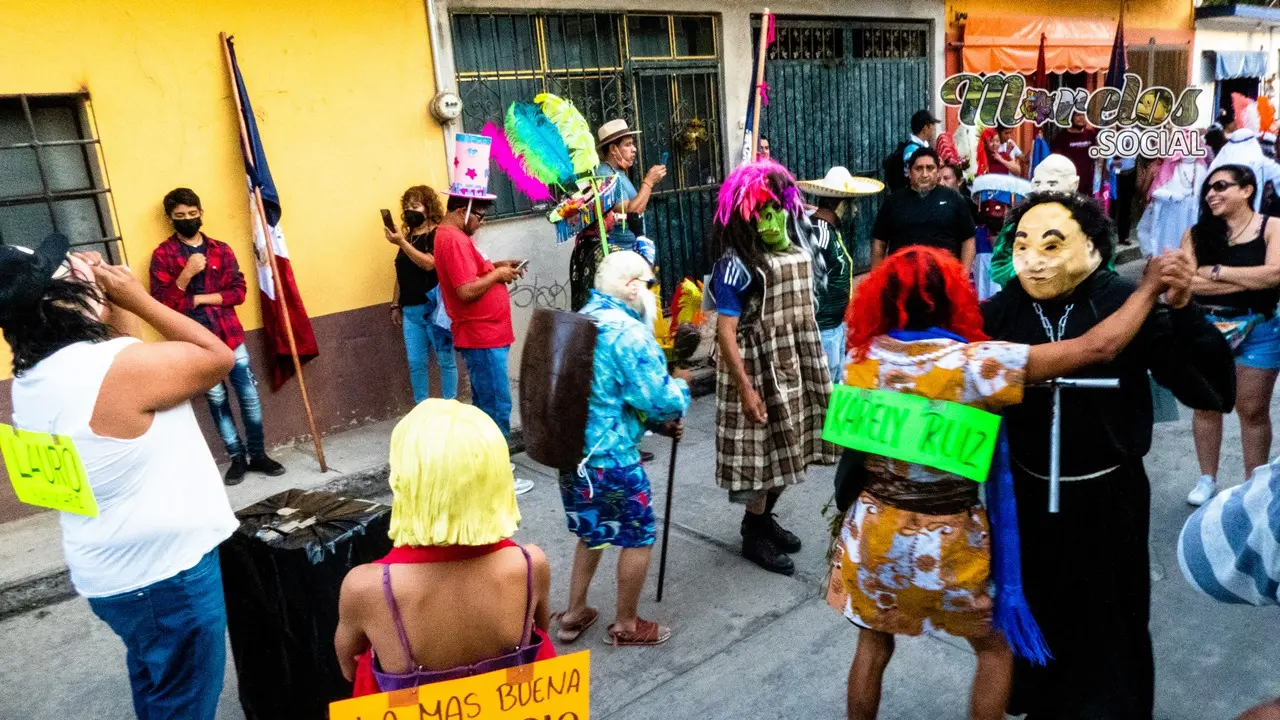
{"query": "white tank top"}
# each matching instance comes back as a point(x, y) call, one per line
point(160, 499)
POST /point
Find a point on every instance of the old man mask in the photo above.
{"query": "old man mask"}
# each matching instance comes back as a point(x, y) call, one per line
point(1056, 173)
point(1051, 253)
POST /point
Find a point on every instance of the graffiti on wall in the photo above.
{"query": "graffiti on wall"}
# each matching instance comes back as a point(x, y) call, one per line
point(541, 292)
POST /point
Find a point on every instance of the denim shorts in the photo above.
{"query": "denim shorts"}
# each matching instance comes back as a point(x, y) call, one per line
point(1261, 349)
point(610, 506)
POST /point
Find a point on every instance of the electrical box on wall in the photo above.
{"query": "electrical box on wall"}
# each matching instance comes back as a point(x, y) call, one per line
point(446, 107)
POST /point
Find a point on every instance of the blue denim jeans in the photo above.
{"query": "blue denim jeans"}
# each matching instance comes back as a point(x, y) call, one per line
point(421, 336)
point(490, 386)
point(175, 634)
point(833, 346)
point(246, 387)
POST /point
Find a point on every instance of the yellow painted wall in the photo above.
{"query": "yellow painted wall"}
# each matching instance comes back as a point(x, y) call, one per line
point(340, 90)
point(1154, 14)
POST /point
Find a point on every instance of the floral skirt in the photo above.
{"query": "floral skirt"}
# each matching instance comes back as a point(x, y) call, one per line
point(910, 573)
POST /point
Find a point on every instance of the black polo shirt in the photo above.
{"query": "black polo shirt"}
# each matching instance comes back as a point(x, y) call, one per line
point(939, 218)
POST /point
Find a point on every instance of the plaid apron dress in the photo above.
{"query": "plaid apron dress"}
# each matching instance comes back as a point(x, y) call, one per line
point(782, 354)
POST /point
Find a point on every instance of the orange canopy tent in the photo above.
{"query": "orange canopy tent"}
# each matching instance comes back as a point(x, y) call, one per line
point(1012, 44)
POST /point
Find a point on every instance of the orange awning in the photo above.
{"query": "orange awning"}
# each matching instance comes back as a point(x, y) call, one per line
point(1012, 44)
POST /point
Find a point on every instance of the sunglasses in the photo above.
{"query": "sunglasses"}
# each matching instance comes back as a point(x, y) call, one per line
point(1222, 185)
point(651, 283)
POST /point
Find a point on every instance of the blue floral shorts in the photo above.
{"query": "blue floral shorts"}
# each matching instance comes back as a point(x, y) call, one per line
point(610, 506)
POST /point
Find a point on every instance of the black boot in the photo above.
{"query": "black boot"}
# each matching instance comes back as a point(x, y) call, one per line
point(266, 466)
point(759, 547)
point(235, 473)
point(786, 540)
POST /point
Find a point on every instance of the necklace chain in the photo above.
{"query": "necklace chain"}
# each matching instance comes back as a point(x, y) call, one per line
point(1048, 327)
point(1240, 232)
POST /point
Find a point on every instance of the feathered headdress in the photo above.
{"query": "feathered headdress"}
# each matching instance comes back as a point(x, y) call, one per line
point(1247, 113)
point(1266, 115)
point(547, 150)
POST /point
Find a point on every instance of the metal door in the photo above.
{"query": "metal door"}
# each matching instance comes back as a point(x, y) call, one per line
point(680, 114)
point(842, 92)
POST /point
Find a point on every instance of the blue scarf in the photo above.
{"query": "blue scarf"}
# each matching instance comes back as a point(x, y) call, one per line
point(1012, 613)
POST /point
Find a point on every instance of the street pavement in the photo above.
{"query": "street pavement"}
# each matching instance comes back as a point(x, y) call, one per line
point(747, 644)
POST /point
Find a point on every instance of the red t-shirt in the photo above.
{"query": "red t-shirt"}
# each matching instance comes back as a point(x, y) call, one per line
point(485, 323)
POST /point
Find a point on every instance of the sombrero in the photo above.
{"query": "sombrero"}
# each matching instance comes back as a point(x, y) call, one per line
point(840, 183)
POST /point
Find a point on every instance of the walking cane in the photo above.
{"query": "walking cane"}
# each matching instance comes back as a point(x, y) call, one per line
point(666, 517)
point(684, 345)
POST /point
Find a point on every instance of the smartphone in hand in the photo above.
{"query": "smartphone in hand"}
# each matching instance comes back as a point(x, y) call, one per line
point(665, 157)
point(387, 220)
point(522, 265)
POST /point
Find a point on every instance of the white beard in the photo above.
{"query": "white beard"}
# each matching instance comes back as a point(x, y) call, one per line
point(648, 307)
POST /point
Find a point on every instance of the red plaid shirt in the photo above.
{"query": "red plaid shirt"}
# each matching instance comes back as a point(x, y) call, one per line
point(221, 275)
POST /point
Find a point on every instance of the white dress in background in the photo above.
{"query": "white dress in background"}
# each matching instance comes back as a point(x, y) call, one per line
point(1173, 208)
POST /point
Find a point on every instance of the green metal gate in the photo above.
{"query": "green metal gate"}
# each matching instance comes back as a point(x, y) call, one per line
point(842, 92)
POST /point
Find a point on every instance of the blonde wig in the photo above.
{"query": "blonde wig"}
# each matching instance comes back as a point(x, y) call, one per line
point(451, 478)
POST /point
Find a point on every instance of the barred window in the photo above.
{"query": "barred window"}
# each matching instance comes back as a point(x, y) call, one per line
point(806, 43)
point(598, 61)
point(51, 175)
point(1160, 65)
point(890, 42)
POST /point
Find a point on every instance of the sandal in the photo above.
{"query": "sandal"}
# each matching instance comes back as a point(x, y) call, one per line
point(647, 632)
point(570, 633)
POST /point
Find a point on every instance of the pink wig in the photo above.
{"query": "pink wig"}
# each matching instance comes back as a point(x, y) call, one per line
point(752, 186)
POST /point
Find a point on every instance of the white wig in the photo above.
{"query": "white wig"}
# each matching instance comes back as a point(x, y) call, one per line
point(616, 272)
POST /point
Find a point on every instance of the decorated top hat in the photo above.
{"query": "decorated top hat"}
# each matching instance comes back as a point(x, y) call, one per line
point(471, 168)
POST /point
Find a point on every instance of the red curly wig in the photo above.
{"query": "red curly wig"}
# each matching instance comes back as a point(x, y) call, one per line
point(916, 288)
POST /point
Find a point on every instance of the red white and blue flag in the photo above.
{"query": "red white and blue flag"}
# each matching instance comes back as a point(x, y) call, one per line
point(282, 298)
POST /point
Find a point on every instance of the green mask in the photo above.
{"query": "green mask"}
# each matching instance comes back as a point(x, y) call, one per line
point(772, 226)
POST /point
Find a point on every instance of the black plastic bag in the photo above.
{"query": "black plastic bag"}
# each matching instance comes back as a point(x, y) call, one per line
point(281, 574)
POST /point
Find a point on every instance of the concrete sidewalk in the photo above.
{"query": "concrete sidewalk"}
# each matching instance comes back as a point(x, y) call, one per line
point(747, 644)
point(32, 573)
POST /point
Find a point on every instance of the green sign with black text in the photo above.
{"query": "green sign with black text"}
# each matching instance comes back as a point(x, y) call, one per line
point(945, 435)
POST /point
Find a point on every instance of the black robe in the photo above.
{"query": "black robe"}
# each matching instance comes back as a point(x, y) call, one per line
point(1086, 570)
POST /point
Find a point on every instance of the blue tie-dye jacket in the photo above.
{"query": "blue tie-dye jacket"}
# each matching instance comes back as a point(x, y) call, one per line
point(629, 387)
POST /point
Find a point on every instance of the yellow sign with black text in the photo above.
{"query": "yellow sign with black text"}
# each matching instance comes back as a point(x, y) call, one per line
point(556, 689)
point(46, 471)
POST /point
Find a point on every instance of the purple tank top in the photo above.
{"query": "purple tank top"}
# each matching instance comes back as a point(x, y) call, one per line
point(523, 654)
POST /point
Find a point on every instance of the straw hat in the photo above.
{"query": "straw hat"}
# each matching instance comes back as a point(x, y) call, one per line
point(840, 183)
point(613, 131)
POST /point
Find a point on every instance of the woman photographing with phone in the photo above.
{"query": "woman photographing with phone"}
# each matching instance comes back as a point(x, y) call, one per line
point(416, 306)
point(1237, 253)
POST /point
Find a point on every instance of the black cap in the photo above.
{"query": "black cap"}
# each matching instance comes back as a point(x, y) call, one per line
point(25, 274)
point(922, 119)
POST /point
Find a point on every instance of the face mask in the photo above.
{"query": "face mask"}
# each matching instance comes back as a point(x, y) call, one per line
point(414, 219)
point(772, 226)
point(1055, 173)
point(1051, 254)
point(188, 228)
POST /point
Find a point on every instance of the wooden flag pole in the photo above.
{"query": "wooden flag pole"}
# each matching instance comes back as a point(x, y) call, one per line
point(762, 52)
point(271, 259)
